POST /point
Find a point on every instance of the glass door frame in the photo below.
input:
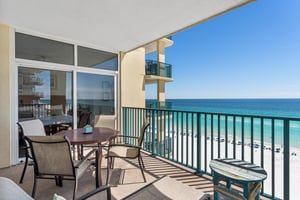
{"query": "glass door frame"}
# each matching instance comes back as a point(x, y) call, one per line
point(59, 67)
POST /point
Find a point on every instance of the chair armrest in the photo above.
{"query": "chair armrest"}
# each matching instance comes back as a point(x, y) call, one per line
point(85, 158)
point(24, 147)
point(128, 136)
point(93, 192)
point(125, 145)
point(120, 139)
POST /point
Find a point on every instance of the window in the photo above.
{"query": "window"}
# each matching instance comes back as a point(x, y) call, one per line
point(44, 94)
point(45, 50)
point(95, 93)
point(46, 91)
point(97, 59)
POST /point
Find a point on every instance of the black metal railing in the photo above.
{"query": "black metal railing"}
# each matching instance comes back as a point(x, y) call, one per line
point(193, 139)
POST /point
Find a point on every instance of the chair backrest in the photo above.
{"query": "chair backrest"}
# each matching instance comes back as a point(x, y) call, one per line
point(84, 119)
point(33, 127)
point(57, 110)
point(51, 155)
point(143, 130)
point(104, 121)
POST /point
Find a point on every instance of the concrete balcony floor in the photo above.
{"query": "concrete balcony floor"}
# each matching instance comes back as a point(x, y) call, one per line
point(125, 179)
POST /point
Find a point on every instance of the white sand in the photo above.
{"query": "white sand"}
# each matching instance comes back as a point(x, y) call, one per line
point(278, 163)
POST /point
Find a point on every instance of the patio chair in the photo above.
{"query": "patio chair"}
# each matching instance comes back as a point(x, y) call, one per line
point(84, 119)
point(100, 121)
point(52, 160)
point(57, 110)
point(127, 151)
point(104, 121)
point(30, 128)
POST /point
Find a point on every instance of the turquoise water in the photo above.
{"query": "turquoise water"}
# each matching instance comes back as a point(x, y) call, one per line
point(263, 107)
point(258, 107)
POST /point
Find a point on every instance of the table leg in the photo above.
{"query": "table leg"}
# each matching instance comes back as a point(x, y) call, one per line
point(99, 163)
point(79, 151)
point(228, 184)
point(216, 182)
point(246, 190)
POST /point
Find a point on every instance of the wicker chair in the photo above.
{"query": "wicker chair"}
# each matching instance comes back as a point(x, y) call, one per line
point(127, 151)
point(30, 128)
point(52, 160)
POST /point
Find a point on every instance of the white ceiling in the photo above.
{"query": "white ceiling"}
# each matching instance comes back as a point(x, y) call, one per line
point(113, 25)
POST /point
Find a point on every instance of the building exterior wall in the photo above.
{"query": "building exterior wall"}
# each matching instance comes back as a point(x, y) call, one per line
point(5, 91)
point(132, 69)
point(132, 89)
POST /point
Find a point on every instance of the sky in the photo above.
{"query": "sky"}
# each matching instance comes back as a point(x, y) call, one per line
point(250, 52)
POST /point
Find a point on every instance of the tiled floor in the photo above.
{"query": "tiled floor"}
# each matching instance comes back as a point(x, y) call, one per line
point(126, 178)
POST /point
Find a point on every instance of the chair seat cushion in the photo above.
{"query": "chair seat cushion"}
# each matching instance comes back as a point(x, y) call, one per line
point(123, 151)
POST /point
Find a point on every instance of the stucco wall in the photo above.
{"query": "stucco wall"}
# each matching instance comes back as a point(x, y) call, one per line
point(132, 78)
point(5, 113)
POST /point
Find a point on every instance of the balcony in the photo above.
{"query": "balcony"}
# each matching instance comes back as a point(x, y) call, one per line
point(158, 71)
point(181, 144)
point(192, 139)
point(170, 153)
point(158, 104)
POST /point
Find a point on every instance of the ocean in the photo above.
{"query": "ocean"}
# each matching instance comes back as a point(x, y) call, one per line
point(258, 107)
point(261, 107)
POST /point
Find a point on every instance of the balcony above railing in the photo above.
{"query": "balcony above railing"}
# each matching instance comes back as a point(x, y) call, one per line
point(160, 69)
point(158, 104)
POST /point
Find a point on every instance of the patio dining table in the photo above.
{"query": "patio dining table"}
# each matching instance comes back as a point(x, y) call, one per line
point(97, 136)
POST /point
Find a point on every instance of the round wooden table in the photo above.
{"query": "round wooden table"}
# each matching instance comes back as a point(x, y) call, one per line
point(97, 136)
point(236, 171)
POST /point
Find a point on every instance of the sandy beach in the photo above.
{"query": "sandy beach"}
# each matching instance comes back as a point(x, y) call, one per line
point(267, 157)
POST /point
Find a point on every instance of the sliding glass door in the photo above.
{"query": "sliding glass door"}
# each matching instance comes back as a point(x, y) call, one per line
point(95, 94)
point(58, 81)
point(45, 95)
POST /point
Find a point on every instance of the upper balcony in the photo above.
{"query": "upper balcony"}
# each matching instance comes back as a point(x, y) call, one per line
point(158, 104)
point(157, 71)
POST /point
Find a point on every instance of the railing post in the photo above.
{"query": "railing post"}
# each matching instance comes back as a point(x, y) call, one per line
point(286, 159)
point(198, 170)
point(153, 134)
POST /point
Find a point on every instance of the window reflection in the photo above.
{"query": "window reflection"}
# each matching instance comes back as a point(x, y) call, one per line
point(44, 94)
point(95, 94)
point(42, 49)
point(93, 58)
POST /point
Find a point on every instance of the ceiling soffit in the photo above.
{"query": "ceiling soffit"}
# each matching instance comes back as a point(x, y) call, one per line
point(112, 25)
